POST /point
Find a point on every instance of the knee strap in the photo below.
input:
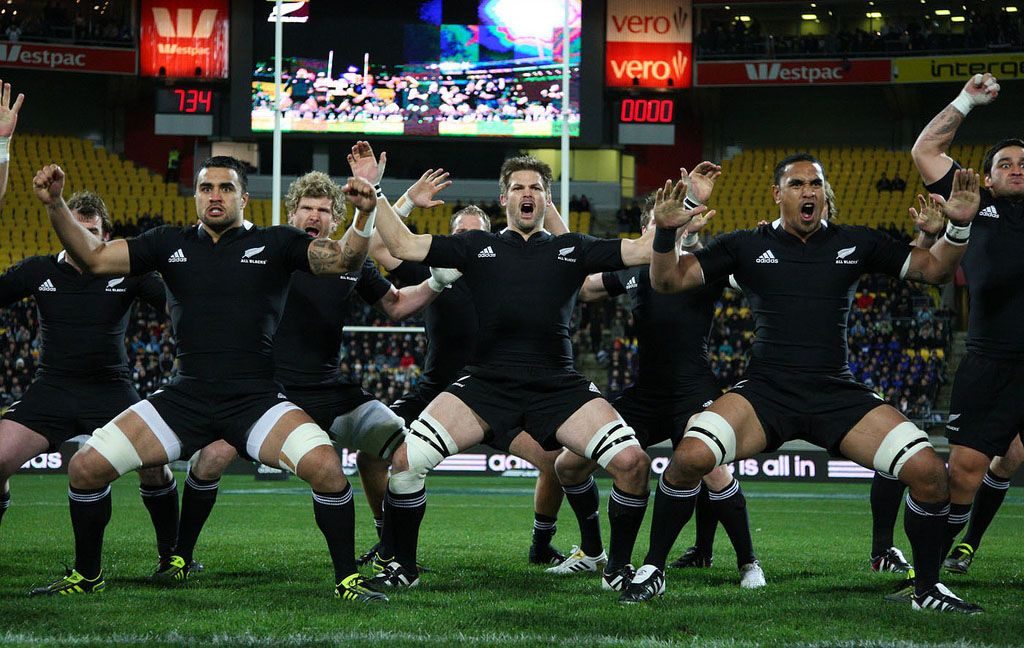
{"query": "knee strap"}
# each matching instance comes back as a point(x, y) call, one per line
point(426, 445)
point(899, 445)
point(716, 433)
point(115, 447)
point(300, 441)
point(611, 439)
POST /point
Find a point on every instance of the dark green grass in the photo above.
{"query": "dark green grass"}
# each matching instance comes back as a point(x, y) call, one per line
point(268, 580)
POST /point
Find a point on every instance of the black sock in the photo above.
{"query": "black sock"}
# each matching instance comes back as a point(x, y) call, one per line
point(543, 529)
point(196, 503)
point(378, 526)
point(586, 504)
point(625, 515)
point(959, 515)
point(731, 508)
point(925, 526)
point(886, 496)
point(673, 508)
point(5, 503)
point(986, 503)
point(403, 515)
point(90, 514)
point(706, 522)
point(162, 504)
point(336, 516)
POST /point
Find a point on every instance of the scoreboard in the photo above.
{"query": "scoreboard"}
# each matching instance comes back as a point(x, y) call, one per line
point(186, 109)
point(648, 118)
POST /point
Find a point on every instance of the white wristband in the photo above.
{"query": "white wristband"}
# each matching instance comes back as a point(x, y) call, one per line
point(367, 229)
point(5, 154)
point(690, 202)
point(690, 240)
point(957, 234)
point(436, 285)
point(404, 206)
point(963, 103)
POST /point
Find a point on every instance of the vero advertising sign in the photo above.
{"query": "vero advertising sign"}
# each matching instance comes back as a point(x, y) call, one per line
point(649, 43)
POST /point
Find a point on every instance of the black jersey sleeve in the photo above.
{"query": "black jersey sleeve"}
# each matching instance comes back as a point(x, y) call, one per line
point(409, 273)
point(147, 250)
point(152, 291)
point(371, 285)
point(293, 247)
point(887, 254)
point(613, 284)
point(944, 185)
point(15, 282)
point(718, 258)
point(600, 255)
point(451, 251)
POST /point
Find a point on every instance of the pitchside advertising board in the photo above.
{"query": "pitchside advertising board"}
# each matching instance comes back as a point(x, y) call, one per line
point(184, 38)
point(795, 72)
point(102, 60)
point(649, 44)
point(956, 68)
point(799, 464)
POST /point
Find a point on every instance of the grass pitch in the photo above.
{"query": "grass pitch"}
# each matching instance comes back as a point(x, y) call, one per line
point(268, 577)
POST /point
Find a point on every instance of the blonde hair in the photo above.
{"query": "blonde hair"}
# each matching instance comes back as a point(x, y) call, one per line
point(316, 184)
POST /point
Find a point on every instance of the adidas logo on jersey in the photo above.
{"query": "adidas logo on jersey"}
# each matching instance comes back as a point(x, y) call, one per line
point(767, 257)
point(247, 256)
point(486, 253)
point(47, 286)
point(564, 252)
point(112, 285)
point(631, 284)
point(845, 252)
point(989, 211)
point(177, 257)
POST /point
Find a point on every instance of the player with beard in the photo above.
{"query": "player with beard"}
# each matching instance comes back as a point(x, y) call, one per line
point(799, 274)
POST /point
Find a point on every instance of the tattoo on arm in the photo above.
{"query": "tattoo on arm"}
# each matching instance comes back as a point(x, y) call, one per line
point(941, 129)
point(324, 256)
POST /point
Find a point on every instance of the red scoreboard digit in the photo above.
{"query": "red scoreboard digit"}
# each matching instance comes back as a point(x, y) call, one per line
point(647, 111)
point(185, 101)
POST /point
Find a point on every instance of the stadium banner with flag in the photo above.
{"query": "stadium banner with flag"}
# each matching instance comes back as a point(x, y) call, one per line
point(957, 67)
point(795, 72)
point(67, 58)
point(184, 38)
point(649, 44)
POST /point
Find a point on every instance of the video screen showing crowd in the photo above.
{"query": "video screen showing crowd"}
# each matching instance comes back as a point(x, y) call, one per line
point(252, 381)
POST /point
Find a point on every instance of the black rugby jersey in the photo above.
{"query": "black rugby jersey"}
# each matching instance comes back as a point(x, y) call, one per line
point(673, 330)
point(994, 265)
point(524, 290)
point(800, 293)
point(82, 317)
point(226, 298)
point(451, 324)
point(307, 345)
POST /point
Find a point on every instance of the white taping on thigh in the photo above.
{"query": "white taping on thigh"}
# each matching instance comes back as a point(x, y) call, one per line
point(301, 440)
point(257, 434)
point(716, 433)
point(426, 444)
point(899, 445)
point(372, 427)
point(611, 439)
point(156, 424)
point(115, 447)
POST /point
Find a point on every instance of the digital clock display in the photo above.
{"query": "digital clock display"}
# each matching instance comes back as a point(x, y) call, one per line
point(186, 101)
point(647, 111)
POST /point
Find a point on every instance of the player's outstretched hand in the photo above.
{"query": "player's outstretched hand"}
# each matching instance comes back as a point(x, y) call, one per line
point(981, 89)
point(698, 222)
point(702, 180)
point(964, 200)
point(364, 163)
point(928, 218)
point(9, 113)
point(360, 193)
point(432, 182)
point(48, 183)
point(669, 210)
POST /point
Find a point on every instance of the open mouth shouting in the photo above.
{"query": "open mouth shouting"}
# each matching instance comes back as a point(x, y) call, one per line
point(807, 210)
point(527, 207)
point(312, 230)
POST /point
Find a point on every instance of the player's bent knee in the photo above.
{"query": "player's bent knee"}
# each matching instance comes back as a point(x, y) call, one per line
point(610, 440)
point(572, 469)
point(899, 445)
point(111, 444)
point(426, 445)
point(716, 433)
point(372, 428)
point(302, 440)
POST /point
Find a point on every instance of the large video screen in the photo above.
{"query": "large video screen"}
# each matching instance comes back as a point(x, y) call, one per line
point(428, 68)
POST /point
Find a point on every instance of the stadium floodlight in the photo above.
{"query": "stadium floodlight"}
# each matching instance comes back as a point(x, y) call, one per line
point(1010, 9)
point(743, 18)
point(942, 12)
point(958, 19)
point(809, 16)
point(874, 14)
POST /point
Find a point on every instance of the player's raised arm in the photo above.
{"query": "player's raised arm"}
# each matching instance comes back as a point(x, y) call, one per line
point(399, 304)
point(400, 242)
point(937, 264)
point(8, 122)
point(929, 151)
point(96, 256)
point(928, 220)
point(327, 257)
point(671, 271)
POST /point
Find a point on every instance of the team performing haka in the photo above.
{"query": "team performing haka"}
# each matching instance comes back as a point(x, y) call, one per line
point(523, 282)
point(227, 281)
point(799, 274)
point(307, 358)
point(674, 382)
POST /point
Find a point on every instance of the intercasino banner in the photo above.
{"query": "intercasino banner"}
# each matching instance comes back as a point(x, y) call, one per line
point(957, 68)
point(795, 72)
point(103, 60)
point(649, 44)
point(184, 38)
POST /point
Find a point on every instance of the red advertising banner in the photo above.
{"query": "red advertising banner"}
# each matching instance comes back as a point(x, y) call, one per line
point(795, 72)
point(105, 60)
point(184, 38)
point(651, 65)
